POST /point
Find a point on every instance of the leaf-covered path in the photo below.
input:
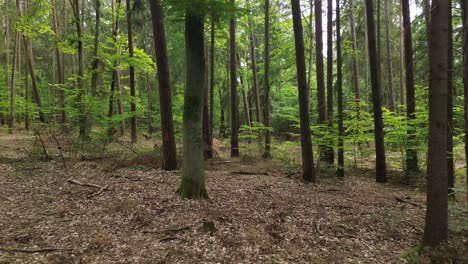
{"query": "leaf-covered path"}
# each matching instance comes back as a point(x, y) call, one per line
point(268, 217)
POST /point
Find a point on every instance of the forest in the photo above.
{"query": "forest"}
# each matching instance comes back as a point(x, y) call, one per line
point(234, 131)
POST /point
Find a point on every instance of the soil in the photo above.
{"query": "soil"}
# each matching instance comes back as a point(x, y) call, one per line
point(100, 211)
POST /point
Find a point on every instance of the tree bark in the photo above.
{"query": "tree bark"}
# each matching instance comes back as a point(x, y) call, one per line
point(464, 6)
point(381, 171)
point(308, 172)
point(165, 97)
point(402, 65)
point(253, 57)
point(60, 73)
point(329, 154)
point(357, 89)
point(266, 106)
point(234, 110)
point(450, 92)
point(212, 81)
point(95, 61)
point(208, 151)
point(193, 174)
point(11, 118)
point(391, 90)
point(436, 227)
point(339, 87)
point(133, 119)
point(411, 154)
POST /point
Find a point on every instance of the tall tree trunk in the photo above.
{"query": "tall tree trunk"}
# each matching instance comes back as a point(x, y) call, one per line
point(253, 57)
point(402, 65)
point(311, 42)
point(464, 5)
point(81, 92)
point(193, 174)
point(266, 106)
point(339, 87)
point(450, 92)
point(95, 61)
point(6, 47)
point(212, 80)
point(321, 101)
point(11, 118)
point(357, 89)
point(149, 91)
point(133, 119)
point(165, 97)
point(115, 76)
point(208, 151)
point(308, 172)
point(26, 96)
point(234, 110)
point(436, 227)
point(411, 154)
point(390, 88)
point(381, 171)
point(60, 73)
point(329, 154)
point(245, 102)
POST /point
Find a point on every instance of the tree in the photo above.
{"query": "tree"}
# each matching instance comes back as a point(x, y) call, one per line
point(165, 98)
point(58, 59)
point(308, 172)
point(321, 102)
point(253, 58)
point(193, 173)
point(411, 154)
point(381, 171)
point(339, 87)
point(212, 81)
point(133, 120)
point(233, 75)
point(450, 91)
point(95, 61)
point(266, 106)
point(464, 6)
point(391, 92)
point(11, 118)
point(329, 155)
point(357, 89)
point(436, 227)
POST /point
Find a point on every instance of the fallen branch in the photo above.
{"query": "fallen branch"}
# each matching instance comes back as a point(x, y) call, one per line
point(38, 250)
point(127, 147)
point(90, 185)
point(401, 200)
point(249, 173)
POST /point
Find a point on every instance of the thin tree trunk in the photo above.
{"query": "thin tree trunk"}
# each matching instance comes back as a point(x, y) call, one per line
point(11, 118)
point(6, 46)
point(193, 174)
point(391, 90)
point(254, 73)
point(339, 86)
point(329, 154)
point(26, 87)
point(402, 65)
point(133, 119)
point(212, 80)
point(411, 154)
point(311, 42)
point(165, 97)
point(244, 94)
point(234, 110)
point(357, 89)
point(381, 171)
point(321, 101)
point(450, 92)
point(95, 61)
point(150, 104)
point(464, 5)
point(115, 80)
point(308, 172)
point(266, 116)
point(436, 227)
point(208, 151)
point(60, 73)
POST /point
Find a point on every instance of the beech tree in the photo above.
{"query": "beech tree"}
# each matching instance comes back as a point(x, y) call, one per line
point(233, 75)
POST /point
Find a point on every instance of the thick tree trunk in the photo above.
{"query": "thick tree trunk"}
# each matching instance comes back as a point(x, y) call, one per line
point(266, 106)
point(381, 171)
point(390, 88)
point(339, 87)
point(450, 92)
point(133, 119)
point(165, 97)
point(193, 174)
point(234, 110)
point(311, 42)
point(436, 228)
point(60, 73)
point(464, 5)
point(308, 172)
point(411, 154)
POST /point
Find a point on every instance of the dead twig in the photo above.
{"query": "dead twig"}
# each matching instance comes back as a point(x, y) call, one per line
point(59, 147)
point(248, 173)
point(90, 185)
point(401, 200)
point(38, 250)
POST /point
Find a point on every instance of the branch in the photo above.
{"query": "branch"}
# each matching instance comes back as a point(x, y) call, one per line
point(38, 250)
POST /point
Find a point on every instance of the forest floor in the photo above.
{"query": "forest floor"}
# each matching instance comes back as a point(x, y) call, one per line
point(110, 209)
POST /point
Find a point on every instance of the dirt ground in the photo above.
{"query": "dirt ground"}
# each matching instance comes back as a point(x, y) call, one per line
point(97, 211)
